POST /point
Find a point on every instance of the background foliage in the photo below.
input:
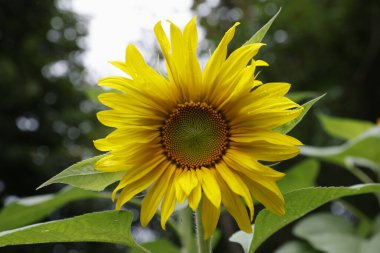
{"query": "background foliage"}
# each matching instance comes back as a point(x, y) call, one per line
point(48, 123)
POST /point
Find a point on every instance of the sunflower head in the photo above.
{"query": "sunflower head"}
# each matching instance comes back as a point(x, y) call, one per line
point(196, 134)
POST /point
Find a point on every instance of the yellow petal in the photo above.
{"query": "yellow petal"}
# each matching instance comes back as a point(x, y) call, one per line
point(136, 184)
point(134, 61)
point(270, 104)
point(265, 97)
point(150, 167)
point(131, 189)
point(210, 217)
point(120, 102)
point(271, 90)
point(144, 73)
point(249, 167)
point(235, 183)
point(260, 63)
point(195, 197)
point(237, 61)
point(231, 72)
point(132, 134)
point(237, 90)
point(165, 48)
point(102, 144)
point(268, 119)
point(135, 154)
point(217, 58)
point(122, 66)
point(117, 83)
point(153, 197)
point(210, 186)
point(117, 119)
point(264, 151)
point(168, 203)
point(184, 58)
point(122, 183)
point(180, 193)
point(110, 164)
point(266, 136)
point(187, 181)
point(190, 33)
point(191, 64)
point(267, 193)
point(234, 206)
point(141, 94)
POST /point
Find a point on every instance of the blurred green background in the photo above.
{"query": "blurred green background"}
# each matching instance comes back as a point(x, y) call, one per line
point(48, 112)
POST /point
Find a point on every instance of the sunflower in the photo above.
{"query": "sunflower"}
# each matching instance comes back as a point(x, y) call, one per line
point(196, 135)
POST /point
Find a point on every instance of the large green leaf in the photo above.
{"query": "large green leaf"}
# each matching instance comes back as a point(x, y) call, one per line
point(363, 151)
point(334, 234)
point(297, 204)
point(260, 34)
point(83, 175)
point(329, 233)
point(321, 222)
point(344, 128)
point(290, 125)
point(296, 247)
point(372, 245)
point(31, 209)
point(301, 175)
point(108, 226)
point(300, 202)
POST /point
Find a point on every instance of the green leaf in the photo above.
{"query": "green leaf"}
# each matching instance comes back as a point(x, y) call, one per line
point(159, 246)
point(108, 226)
point(344, 128)
point(300, 202)
point(83, 175)
point(31, 209)
point(297, 204)
point(260, 34)
point(372, 245)
point(290, 125)
point(296, 247)
point(329, 233)
point(301, 175)
point(360, 151)
point(320, 223)
point(332, 243)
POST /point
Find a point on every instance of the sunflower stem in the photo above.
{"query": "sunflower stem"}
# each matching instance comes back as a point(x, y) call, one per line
point(185, 228)
point(204, 246)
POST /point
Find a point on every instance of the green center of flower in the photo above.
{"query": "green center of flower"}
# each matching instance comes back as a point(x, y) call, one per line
point(195, 135)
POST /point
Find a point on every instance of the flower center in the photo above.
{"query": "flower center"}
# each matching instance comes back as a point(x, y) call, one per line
point(195, 135)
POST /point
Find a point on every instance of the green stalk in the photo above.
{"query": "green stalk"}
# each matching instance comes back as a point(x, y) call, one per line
point(360, 175)
point(185, 230)
point(204, 246)
point(364, 178)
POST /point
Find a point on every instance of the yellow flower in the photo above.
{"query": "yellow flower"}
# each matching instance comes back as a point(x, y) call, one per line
point(196, 135)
